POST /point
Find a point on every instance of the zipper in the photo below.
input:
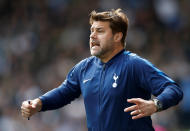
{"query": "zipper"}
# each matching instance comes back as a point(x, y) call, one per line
point(101, 86)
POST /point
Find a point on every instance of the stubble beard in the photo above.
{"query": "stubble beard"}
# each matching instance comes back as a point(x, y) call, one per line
point(96, 52)
point(101, 52)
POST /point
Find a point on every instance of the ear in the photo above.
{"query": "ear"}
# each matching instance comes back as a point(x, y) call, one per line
point(118, 36)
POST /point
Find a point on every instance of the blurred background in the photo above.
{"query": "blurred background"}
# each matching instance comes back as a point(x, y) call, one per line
point(41, 40)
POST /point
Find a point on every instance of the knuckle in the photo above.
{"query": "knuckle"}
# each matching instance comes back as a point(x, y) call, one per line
point(24, 104)
point(139, 99)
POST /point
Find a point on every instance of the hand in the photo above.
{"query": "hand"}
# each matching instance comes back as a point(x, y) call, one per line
point(30, 108)
point(141, 108)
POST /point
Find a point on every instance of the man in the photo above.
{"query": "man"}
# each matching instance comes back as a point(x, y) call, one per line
point(116, 85)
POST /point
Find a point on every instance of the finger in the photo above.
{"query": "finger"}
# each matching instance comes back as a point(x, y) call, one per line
point(25, 109)
point(25, 112)
point(25, 104)
point(135, 100)
point(34, 103)
point(136, 112)
point(131, 108)
point(28, 114)
point(25, 115)
point(138, 116)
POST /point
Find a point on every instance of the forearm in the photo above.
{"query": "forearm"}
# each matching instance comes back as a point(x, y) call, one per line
point(51, 100)
point(58, 97)
point(170, 96)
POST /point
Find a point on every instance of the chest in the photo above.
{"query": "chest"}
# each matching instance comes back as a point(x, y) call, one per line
point(106, 82)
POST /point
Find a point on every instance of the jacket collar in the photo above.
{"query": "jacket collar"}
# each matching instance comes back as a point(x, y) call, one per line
point(117, 56)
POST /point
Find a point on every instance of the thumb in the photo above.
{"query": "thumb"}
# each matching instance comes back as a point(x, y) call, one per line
point(34, 104)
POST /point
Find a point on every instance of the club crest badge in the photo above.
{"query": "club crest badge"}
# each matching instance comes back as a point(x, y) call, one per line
point(115, 77)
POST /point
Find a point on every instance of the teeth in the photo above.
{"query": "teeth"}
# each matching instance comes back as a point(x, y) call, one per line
point(94, 43)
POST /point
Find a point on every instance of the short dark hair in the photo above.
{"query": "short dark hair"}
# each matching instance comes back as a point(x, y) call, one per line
point(117, 19)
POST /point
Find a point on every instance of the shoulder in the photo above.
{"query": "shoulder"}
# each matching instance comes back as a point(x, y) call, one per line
point(85, 62)
point(137, 61)
point(133, 58)
point(80, 66)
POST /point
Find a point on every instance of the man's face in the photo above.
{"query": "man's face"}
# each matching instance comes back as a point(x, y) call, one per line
point(101, 39)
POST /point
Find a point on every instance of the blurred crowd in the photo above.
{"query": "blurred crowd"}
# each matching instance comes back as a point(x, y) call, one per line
point(41, 40)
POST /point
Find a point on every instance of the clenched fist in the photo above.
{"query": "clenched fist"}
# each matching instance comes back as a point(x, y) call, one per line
point(30, 107)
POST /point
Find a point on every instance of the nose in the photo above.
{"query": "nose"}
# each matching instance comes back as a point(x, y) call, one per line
point(93, 35)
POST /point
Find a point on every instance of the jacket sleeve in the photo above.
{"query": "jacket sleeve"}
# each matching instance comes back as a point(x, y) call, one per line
point(64, 94)
point(158, 83)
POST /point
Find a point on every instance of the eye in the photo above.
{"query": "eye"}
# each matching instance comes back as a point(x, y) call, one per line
point(100, 30)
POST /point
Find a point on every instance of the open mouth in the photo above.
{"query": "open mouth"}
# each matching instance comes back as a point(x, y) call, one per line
point(94, 43)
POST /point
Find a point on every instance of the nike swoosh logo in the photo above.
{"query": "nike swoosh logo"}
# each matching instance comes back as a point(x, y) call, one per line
point(84, 81)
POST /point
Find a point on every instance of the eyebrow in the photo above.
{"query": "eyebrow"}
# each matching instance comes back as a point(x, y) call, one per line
point(98, 28)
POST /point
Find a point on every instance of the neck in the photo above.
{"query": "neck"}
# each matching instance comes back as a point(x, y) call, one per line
point(111, 54)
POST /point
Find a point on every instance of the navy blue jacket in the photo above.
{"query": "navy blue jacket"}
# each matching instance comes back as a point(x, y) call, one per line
point(105, 88)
